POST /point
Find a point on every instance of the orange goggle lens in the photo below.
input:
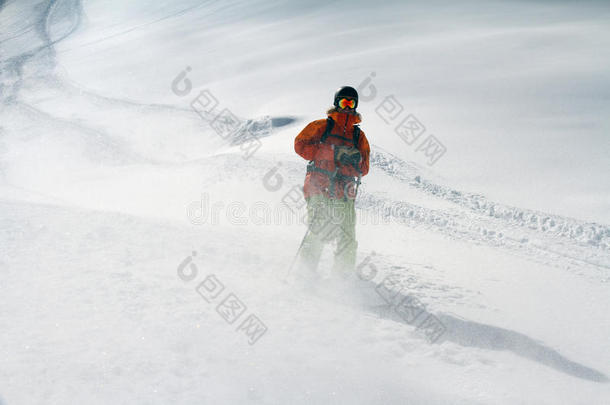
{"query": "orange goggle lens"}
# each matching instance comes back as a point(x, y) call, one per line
point(347, 103)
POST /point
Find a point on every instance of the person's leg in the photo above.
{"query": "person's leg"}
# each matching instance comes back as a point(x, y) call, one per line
point(313, 244)
point(345, 253)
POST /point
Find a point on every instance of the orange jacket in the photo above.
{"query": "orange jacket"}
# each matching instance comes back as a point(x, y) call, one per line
point(308, 145)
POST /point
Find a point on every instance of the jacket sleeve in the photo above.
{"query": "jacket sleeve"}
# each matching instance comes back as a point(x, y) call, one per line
point(307, 142)
point(365, 151)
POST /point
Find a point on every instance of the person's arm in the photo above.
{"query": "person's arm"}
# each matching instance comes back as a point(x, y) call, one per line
point(307, 142)
point(365, 151)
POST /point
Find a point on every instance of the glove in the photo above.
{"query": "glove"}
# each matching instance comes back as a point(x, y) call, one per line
point(347, 156)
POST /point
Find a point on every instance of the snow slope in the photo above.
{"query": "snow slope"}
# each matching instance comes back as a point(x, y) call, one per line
point(111, 186)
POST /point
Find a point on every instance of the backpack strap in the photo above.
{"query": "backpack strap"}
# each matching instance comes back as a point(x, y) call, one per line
point(356, 135)
point(330, 123)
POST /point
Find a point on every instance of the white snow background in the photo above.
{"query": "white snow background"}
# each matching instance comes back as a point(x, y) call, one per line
point(109, 181)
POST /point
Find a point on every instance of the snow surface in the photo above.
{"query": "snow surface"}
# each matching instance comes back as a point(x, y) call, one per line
point(111, 185)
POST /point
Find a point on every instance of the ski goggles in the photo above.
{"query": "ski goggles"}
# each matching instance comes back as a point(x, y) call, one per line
point(347, 103)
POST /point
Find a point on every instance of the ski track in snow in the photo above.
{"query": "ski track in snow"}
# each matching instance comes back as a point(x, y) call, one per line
point(549, 239)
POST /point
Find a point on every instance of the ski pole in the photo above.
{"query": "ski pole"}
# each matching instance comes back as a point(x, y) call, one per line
point(298, 252)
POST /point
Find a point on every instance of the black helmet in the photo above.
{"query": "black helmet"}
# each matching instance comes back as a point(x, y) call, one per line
point(346, 91)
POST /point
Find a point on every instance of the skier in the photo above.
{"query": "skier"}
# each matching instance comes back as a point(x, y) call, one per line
point(338, 154)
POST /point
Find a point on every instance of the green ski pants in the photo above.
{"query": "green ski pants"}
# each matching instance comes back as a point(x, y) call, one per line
point(330, 220)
